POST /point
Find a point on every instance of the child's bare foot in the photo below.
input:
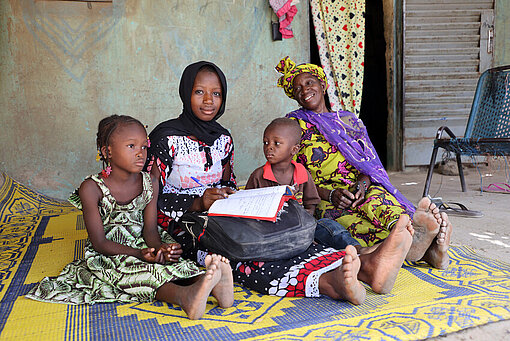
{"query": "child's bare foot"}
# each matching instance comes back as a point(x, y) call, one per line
point(224, 290)
point(437, 254)
point(195, 301)
point(426, 222)
point(342, 283)
point(351, 289)
point(380, 268)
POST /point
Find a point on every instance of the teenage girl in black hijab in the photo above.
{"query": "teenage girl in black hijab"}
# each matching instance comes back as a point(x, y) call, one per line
point(193, 154)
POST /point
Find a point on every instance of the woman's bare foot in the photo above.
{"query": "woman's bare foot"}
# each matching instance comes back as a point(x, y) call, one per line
point(426, 222)
point(380, 268)
point(195, 300)
point(342, 283)
point(224, 290)
point(437, 254)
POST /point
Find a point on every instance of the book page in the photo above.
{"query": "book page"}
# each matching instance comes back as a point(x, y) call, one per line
point(275, 190)
point(258, 202)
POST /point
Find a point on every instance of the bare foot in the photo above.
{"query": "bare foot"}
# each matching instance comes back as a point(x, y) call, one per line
point(224, 290)
point(194, 302)
point(351, 289)
point(380, 268)
point(342, 283)
point(366, 249)
point(437, 254)
point(426, 222)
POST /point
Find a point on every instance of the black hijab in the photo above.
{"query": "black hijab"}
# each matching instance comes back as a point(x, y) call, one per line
point(187, 123)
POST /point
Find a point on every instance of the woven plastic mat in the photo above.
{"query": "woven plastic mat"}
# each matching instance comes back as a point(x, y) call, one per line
point(39, 236)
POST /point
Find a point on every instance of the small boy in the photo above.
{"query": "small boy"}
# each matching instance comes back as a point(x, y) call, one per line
point(281, 143)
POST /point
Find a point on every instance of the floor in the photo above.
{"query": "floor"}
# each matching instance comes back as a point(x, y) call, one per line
point(488, 235)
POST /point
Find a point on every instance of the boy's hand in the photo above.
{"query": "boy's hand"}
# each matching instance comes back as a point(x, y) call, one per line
point(213, 194)
point(171, 252)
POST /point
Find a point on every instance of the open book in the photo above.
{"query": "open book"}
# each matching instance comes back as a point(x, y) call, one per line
point(259, 203)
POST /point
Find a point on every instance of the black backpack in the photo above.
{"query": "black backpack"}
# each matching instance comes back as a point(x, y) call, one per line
point(244, 239)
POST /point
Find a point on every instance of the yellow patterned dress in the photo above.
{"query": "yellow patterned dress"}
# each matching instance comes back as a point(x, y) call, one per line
point(368, 223)
point(121, 278)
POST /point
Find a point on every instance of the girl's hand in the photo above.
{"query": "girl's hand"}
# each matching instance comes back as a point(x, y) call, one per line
point(342, 198)
point(213, 194)
point(171, 252)
point(148, 254)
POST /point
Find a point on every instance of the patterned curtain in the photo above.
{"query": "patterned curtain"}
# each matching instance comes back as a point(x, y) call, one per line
point(340, 32)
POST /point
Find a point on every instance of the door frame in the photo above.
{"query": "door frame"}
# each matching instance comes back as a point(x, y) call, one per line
point(394, 142)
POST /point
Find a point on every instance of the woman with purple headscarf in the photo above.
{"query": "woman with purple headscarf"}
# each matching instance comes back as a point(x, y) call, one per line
point(349, 176)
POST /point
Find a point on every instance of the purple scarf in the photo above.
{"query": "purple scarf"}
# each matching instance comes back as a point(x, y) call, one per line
point(348, 134)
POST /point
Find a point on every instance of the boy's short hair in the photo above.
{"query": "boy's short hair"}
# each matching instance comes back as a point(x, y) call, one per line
point(287, 122)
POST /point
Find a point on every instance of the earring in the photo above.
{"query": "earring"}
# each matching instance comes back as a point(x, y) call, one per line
point(108, 169)
point(106, 172)
point(148, 142)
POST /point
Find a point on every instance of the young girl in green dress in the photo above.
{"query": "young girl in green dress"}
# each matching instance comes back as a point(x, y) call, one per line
point(127, 258)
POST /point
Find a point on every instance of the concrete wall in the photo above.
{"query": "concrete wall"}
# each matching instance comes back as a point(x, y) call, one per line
point(502, 33)
point(64, 66)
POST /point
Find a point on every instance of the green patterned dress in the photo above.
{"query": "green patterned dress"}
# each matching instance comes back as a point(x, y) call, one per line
point(120, 278)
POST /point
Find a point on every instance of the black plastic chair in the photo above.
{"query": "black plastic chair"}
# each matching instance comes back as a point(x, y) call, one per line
point(488, 127)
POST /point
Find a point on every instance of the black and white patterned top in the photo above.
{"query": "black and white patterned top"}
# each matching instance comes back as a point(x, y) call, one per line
point(188, 167)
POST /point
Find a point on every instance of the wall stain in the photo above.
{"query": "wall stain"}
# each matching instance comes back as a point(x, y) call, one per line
point(71, 43)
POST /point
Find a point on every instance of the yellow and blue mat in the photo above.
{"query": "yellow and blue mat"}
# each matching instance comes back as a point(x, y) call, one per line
point(40, 235)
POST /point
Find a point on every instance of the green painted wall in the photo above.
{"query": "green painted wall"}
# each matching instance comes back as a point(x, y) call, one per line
point(64, 66)
point(502, 33)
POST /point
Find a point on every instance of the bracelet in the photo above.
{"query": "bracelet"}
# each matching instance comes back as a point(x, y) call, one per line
point(331, 195)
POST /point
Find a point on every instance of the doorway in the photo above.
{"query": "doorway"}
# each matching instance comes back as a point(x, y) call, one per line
point(374, 102)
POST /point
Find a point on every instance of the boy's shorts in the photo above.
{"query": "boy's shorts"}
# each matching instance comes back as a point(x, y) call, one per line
point(331, 233)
